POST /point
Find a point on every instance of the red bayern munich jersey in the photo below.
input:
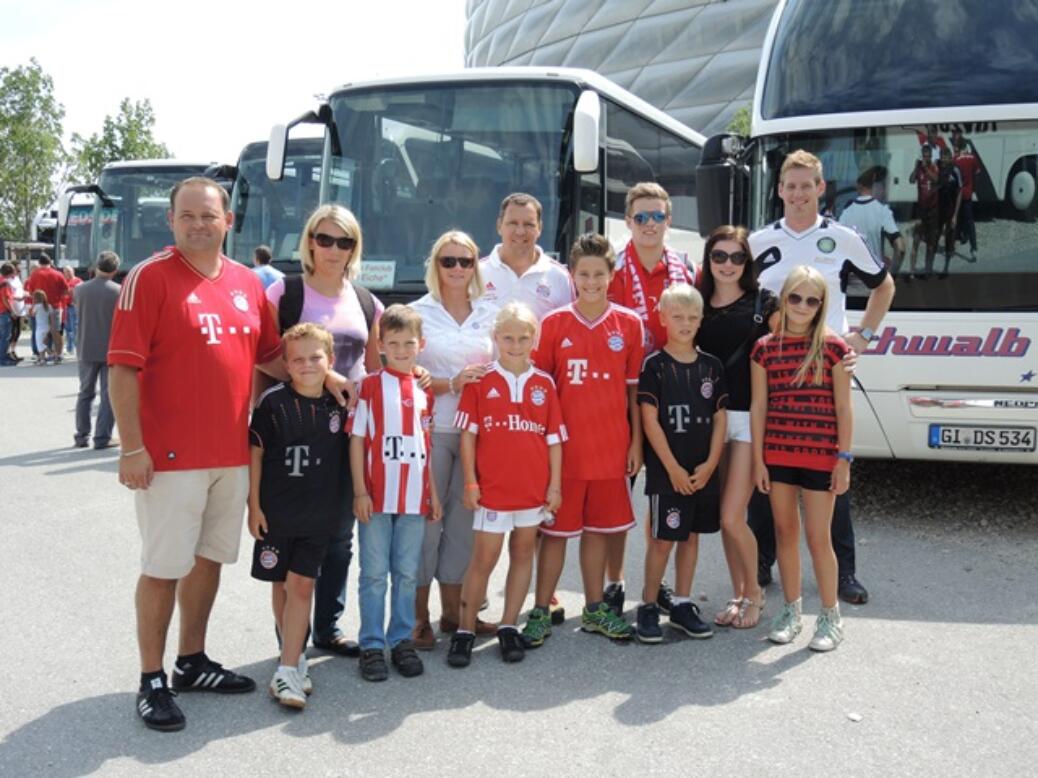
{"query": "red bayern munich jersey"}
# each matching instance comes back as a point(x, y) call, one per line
point(593, 363)
point(515, 419)
point(394, 416)
point(195, 341)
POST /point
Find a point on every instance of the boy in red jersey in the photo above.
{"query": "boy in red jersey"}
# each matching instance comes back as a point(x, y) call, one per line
point(392, 493)
point(511, 415)
point(593, 350)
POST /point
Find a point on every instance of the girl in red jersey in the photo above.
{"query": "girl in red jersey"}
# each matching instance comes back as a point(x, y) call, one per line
point(510, 418)
point(801, 423)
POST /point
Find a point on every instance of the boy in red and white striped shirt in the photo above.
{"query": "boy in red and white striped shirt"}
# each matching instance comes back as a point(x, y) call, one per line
point(392, 493)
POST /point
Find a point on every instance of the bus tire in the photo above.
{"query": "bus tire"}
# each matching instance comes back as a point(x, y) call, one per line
point(1022, 189)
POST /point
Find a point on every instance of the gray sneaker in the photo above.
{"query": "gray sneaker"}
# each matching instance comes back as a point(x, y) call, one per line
point(787, 623)
point(828, 630)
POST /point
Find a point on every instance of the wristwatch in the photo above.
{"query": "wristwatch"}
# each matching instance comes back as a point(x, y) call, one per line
point(847, 456)
point(868, 333)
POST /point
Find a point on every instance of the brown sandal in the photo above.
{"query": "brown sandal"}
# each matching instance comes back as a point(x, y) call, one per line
point(731, 612)
point(740, 621)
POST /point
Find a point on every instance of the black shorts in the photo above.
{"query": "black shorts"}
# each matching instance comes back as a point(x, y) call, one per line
point(273, 558)
point(676, 516)
point(805, 478)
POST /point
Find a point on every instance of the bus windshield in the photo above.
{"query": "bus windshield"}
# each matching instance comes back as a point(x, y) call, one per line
point(134, 226)
point(983, 254)
point(840, 56)
point(274, 212)
point(417, 161)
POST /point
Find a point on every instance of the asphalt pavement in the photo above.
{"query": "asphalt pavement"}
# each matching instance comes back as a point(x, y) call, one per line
point(936, 677)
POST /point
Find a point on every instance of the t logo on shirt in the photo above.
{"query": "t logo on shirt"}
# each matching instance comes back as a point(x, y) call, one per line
point(297, 457)
point(398, 447)
point(576, 369)
point(679, 416)
point(211, 327)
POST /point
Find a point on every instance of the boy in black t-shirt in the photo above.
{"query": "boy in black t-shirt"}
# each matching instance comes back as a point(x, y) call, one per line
point(682, 395)
point(297, 494)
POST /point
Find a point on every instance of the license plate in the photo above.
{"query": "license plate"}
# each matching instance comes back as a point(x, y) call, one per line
point(979, 438)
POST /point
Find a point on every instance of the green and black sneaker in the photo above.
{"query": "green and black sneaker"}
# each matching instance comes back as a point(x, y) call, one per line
point(537, 629)
point(604, 621)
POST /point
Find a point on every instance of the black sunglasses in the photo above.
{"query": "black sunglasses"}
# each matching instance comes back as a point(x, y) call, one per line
point(795, 299)
point(737, 258)
point(327, 241)
point(449, 262)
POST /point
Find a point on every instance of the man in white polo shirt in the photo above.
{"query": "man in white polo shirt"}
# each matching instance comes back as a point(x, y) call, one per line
point(518, 270)
point(803, 237)
point(870, 215)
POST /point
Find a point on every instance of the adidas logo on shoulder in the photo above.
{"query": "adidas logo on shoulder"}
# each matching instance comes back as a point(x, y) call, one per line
point(566, 343)
point(493, 393)
point(194, 299)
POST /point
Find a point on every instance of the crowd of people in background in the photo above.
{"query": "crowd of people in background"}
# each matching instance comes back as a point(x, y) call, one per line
point(513, 405)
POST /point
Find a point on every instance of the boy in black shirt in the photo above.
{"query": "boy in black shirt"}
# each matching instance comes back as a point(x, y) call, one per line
point(683, 397)
point(297, 494)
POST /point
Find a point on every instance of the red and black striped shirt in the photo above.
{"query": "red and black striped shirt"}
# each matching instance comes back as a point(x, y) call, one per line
point(801, 423)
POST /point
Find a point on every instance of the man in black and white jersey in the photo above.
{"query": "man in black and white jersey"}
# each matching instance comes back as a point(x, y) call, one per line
point(803, 237)
point(870, 215)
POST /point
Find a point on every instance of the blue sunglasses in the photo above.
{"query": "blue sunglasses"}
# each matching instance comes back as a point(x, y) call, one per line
point(643, 218)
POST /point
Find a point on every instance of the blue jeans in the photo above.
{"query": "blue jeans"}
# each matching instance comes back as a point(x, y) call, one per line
point(390, 544)
point(71, 324)
point(6, 323)
point(330, 589)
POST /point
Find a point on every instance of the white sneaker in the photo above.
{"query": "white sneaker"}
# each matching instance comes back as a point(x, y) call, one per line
point(828, 630)
point(787, 623)
point(286, 687)
point(304, 674)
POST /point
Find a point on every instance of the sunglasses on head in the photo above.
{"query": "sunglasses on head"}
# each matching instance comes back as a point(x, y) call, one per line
point(449, 262)
point(737, 258)
point(643, 217)
point(327, 241)
point(796, 299)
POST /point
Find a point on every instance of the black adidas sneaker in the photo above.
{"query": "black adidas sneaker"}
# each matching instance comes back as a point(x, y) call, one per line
point(209, 676)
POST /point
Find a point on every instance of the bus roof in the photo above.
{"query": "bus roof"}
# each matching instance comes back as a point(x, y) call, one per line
point(134, 164)
point(579, 77)
point(829, 64)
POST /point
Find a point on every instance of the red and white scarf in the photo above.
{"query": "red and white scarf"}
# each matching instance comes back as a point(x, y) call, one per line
point(634, 284)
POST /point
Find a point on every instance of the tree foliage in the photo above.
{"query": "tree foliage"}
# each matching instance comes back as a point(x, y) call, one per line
point(127, 135)
point(31, 153)
point(740, 122)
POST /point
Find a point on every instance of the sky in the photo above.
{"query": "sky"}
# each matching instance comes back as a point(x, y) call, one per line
point(219, 73)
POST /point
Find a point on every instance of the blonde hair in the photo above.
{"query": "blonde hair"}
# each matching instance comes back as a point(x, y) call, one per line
point(515, 312)
point(344, 219)
point(432, 269)
point(814, 360)
point(646, 190)
point(308, 330)
point(400, 318)
point(681, 294)
point(801, 159)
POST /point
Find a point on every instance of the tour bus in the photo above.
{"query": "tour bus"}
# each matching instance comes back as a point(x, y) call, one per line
point(274, 213)
point(952, 373)
point(414, 157)
point(131, 199)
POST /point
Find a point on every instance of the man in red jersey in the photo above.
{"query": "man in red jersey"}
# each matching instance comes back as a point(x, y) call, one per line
point(189, 326)
point(969, 168)
point(54, 285)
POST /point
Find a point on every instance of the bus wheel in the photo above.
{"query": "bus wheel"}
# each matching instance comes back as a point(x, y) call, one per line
point(1023, 189)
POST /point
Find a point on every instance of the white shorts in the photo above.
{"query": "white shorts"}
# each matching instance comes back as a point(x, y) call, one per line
point(738, 427)
point(487, 520)
point(189, 513)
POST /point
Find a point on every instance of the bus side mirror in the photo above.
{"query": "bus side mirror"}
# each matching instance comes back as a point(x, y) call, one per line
point(276, 152)
point(64, 202)
point(587, 117)
point(722, 183)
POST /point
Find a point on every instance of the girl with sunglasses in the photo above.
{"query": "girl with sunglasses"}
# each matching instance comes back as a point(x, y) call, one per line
point(736, 313)
point(458, 325)
point(802, 424)
point(330, 252)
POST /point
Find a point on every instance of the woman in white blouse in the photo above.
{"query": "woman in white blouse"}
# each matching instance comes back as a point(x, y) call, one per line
point(457, 326)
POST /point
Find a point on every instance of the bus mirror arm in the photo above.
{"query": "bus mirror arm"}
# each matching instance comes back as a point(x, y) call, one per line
point(65, 201)
point(722, 182)
point(278, 144)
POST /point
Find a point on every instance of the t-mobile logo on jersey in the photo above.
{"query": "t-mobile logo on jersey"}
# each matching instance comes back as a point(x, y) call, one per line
point(296, 458)
point(399, 447)
point(679, 415)
point(577, 369)
point(212, 327)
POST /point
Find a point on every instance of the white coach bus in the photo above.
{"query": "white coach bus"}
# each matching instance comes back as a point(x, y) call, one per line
point(414, 157)
point(953, 371)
